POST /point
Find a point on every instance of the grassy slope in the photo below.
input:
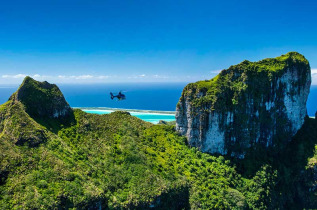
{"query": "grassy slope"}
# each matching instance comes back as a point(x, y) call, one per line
point(117, 161)
point(120, 161)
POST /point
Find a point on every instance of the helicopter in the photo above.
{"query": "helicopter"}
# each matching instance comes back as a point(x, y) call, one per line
point(120, 96)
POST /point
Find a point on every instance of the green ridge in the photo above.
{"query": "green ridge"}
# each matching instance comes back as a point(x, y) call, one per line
point(118, 161)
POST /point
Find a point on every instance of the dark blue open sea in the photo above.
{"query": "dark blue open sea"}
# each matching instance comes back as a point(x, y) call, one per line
point(142, 96)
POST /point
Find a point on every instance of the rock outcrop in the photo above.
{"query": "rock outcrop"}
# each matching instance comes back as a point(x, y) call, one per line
point(32, 111)
point(253, 103)
point(42, 99)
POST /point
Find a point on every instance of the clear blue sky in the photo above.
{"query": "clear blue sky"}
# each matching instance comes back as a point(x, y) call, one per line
point(75, 41)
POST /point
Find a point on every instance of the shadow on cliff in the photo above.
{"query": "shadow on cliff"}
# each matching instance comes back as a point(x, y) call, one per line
point(294, 155)
point(292, 184)
point(56, 124)
point(173, 199)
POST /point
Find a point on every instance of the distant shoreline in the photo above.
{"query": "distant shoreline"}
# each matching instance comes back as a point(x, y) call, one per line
point(127, 110)
point(105, 109)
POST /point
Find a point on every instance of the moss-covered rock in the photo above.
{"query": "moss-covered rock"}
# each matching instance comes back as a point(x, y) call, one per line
point(247, 105)
point(42, 99)
point(45, 103)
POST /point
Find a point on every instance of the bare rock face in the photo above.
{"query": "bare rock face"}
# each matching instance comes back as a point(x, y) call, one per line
point(250, 104)
point(42, 99)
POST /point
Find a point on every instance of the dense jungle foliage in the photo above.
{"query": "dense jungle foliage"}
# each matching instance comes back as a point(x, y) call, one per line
point(117, 161)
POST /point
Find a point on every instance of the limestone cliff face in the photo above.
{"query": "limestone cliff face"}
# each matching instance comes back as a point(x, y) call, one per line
point(252, 103)
point(42, 99)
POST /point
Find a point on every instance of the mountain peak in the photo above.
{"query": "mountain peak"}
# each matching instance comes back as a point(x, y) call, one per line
point(42, 99)
point(249, 105)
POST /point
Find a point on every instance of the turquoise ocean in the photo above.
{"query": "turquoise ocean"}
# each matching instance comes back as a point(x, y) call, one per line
point(148, 101)
point(146, 115)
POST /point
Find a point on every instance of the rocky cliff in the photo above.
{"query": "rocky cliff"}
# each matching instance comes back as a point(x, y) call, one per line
point(117, 161)
point(250, 104)
point(31, 111)
point(42, 99)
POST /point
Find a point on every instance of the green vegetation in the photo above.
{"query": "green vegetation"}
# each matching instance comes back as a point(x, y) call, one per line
point(118, 161)
point(45, 103)
point(240, 98)
point(295, 168)
point(17, 126)
point(234, 81)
